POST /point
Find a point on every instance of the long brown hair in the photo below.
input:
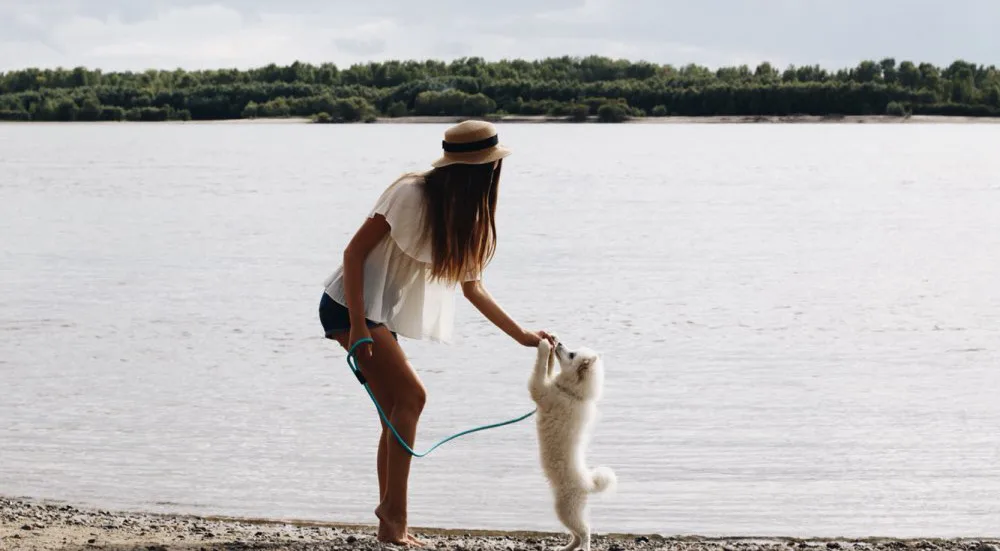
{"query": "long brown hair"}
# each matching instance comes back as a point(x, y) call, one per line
point(460, 224)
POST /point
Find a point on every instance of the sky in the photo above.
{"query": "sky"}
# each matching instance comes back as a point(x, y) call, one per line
point(205, 34)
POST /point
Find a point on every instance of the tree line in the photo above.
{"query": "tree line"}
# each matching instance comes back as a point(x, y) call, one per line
point(566, 87)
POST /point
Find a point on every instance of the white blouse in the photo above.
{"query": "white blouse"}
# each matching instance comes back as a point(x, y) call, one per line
point(398, 290)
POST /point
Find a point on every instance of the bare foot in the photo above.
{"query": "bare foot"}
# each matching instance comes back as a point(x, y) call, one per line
point(394, 532)
point(387, 535)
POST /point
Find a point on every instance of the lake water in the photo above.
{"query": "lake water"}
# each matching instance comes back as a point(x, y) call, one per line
point(801, 324)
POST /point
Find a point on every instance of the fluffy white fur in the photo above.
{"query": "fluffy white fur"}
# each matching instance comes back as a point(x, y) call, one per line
point(567, 407)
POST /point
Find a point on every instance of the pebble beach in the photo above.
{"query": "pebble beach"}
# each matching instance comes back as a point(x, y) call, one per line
point(35, 525)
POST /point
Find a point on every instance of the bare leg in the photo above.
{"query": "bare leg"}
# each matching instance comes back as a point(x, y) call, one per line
point(393, 382)
point(383, 458)
point(388, 439)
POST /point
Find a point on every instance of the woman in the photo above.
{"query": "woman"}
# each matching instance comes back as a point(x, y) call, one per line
point(428, 233)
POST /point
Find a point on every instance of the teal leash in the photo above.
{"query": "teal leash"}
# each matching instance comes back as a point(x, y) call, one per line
point(352, 362)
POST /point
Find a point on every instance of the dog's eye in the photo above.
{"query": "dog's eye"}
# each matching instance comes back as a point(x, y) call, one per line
point(572, 355)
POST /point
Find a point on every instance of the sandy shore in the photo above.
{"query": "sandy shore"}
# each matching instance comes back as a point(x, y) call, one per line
point(32, 525)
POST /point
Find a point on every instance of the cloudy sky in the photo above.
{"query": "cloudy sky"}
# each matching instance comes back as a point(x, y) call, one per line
point(140, 34)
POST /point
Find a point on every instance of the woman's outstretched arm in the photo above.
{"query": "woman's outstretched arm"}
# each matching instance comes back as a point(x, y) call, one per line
point(477, 294)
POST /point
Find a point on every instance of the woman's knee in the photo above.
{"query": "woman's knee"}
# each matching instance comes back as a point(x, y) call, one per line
point(411, 401)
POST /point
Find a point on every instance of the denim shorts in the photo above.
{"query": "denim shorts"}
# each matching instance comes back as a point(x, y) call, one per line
point(336, 319)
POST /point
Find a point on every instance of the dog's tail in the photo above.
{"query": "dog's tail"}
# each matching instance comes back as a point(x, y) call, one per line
point(602, 479)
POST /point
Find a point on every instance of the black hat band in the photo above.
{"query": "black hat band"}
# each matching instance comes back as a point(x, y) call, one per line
point(469, 147)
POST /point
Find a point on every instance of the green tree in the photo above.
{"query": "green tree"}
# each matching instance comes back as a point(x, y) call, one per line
point(993, 96)
point(250, 111)
point(867, 71)
point(478, 105)
point(909, 75)
point(90, 109)
point(40, 108)
point(895, 109)
point(354, 109)
point(930, 77)
point(962, 82)
point(327, 74)
point(277, 108)
point(14, 115)
point(766, 73)
point(612, 111)
point(81, 77)
point(811, 73)
point(559, 109)
point(112, 113)
point(889, 72)
point(962, 91)
point(66, 110)
point(396, 109)
point(449, 102)
point(734, 75)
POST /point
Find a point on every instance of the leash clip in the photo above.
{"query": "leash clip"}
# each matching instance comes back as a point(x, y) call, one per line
point(361, 378)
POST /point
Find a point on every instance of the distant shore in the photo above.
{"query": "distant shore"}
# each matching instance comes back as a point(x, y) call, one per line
point(720, 119)
point(612, 89)
point(542, 119)
point(35, 525)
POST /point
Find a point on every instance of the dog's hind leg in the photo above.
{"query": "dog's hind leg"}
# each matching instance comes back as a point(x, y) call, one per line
point(574, 543)
point(571, 508)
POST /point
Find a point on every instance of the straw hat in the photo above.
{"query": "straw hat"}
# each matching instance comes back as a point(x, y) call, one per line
point(471, 143)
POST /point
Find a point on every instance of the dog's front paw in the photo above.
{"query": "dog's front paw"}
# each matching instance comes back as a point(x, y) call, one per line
point(544, 347)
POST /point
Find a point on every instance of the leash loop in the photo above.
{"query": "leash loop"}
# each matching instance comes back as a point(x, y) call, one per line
point(352, 361)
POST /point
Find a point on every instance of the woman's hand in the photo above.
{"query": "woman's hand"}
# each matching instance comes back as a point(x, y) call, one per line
point(360, 331)
point(533, 338)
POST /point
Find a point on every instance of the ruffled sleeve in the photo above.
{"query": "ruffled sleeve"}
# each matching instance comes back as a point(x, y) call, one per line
point(403, 206)
point(471, 275)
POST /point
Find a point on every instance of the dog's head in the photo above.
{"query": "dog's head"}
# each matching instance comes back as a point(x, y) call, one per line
point(581, 371)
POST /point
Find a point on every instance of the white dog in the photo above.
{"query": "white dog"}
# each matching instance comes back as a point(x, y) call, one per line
point(567, 405)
